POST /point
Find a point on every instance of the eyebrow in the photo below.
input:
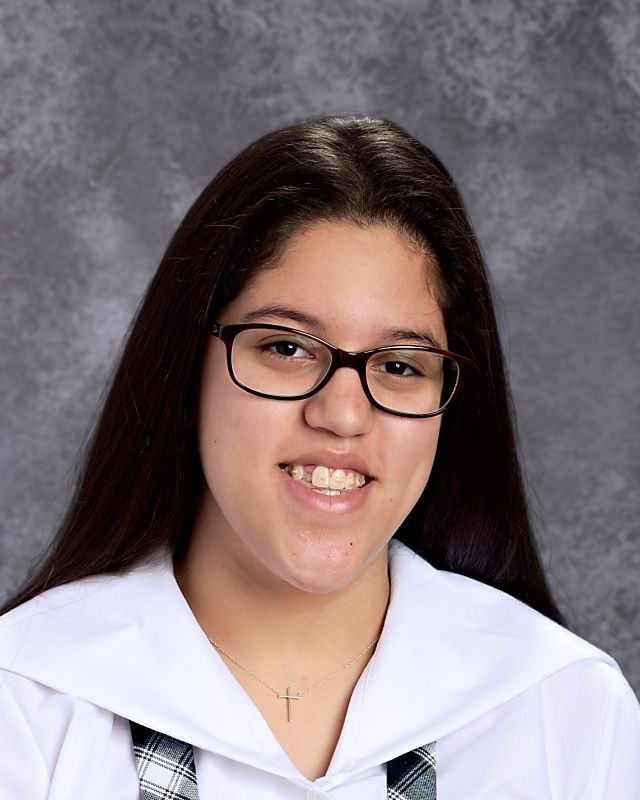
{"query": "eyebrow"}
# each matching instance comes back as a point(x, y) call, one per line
point(422, 335)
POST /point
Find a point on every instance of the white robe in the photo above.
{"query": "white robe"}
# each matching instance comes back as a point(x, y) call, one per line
point(519, 707)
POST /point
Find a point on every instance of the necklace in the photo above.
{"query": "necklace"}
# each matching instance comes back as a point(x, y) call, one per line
point(289, 695)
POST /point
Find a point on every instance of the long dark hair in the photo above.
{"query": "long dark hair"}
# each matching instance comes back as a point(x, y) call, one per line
point(142, 477)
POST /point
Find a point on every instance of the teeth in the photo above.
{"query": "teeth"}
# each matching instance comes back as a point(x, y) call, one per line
point(337, 479)
point(320, 477)
point(326, 480)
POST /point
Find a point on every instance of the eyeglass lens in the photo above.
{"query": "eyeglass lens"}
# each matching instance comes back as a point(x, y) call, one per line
point(285, 364)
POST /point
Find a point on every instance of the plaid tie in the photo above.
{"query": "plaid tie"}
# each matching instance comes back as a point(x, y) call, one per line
point(167, 770)
point(413, 775)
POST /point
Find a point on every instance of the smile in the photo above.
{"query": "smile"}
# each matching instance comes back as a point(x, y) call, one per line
point(324, 479)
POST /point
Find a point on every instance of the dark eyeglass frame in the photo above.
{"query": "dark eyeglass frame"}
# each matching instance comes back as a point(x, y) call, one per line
point(339, 358)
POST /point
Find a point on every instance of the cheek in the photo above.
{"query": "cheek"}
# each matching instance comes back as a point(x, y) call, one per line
point(226, 428)
point(412, 461)
point(238, 434)
point(220, 407)
point(225, 437)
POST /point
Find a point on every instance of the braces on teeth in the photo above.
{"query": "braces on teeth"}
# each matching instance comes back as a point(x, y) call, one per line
point(322, 477)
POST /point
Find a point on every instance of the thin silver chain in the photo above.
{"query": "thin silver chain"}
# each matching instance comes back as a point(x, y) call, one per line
point(309, 688)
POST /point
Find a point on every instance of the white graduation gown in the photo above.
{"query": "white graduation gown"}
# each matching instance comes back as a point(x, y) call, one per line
point(519, 707)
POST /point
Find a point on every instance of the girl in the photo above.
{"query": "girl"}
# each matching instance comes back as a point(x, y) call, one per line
point(299, 563)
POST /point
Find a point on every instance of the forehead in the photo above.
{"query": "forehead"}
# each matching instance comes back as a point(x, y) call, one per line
point(353, 279)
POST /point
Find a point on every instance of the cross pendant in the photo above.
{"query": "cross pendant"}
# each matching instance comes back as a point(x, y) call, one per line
point(289, 696)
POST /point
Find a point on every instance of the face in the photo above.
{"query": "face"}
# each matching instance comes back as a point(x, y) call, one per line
point(345, 284)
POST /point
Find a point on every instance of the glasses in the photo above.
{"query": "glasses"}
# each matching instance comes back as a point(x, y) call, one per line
point(287, 364)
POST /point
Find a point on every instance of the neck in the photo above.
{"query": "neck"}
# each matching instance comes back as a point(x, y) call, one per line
point(271, 626)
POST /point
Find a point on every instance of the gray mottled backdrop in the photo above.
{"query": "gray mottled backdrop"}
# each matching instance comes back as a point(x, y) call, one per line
point(116, 114)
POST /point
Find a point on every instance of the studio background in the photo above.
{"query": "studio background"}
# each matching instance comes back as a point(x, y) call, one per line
point(114, 116)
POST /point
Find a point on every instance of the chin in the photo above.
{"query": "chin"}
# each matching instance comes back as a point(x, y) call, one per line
point(320, 584)
point(323, 569)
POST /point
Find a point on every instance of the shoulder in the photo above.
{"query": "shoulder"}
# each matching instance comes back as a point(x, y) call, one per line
point(575, 735)
point(594, 693)
point(589, 696)
point(589, 717)
point(478, 615)
point(46, 734)
point(67, 614)
point(30, 706)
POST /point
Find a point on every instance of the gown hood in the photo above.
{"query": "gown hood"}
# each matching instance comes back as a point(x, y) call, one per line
point(451, 650)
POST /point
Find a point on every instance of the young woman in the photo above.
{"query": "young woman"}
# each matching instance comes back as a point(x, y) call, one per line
point(298, 563)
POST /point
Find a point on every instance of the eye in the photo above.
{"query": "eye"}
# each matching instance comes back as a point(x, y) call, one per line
point(398, 368)
point(415, 365)
point(285, 349)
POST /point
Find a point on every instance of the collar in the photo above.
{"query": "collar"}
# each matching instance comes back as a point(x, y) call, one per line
point(451, 650)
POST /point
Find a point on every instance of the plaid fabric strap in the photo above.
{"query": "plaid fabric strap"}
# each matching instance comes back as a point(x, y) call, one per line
point(167, 770)
point(413, 775)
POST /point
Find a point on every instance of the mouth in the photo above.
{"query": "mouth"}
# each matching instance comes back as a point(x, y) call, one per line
point(326, 480)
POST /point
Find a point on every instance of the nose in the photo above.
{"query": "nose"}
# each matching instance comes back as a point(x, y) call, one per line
point(341, 407)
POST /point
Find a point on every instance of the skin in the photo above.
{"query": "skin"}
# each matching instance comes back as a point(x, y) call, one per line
point(256, 556)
